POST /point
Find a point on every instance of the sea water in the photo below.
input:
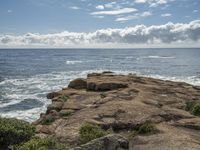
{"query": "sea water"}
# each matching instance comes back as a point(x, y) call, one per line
point(27, 75)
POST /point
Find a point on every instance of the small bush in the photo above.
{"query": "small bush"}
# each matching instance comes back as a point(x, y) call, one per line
point(189, 106)
point(89, 132)
point(47, 120)
point(13, 131)
point(196, 109)
point(193, 107)
point(146, 128)
point(64, 98)
point(40, 144)
point(103, 95)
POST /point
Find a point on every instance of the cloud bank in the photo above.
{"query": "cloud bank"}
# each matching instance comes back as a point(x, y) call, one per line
point(187, 34)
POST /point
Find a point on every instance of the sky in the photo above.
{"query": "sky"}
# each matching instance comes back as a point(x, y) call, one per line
point(99, 23)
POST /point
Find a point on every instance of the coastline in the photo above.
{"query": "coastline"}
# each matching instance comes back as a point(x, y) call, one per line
point(119, 104)
point(24, 88)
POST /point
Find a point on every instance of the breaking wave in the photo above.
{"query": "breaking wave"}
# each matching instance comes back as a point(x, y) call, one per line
point(69, 62)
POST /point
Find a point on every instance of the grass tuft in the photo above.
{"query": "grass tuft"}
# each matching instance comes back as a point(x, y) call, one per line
point(146, 128)
point(193, 107)
point(89, 132)
point(64, 98)
point(196, 109)
point(47, 120)
point(103, 95)
point(189, 106)
point(40, 144)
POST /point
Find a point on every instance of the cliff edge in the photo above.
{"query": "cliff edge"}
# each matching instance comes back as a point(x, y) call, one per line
point(110, 112)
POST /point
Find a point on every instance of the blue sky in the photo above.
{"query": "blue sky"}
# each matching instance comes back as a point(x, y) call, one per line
point(19, 17)
point(48, 16)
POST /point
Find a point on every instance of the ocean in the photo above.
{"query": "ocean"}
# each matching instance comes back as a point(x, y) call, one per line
point(27, 75)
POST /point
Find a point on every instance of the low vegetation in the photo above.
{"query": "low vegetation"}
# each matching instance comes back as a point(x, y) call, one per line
point(89, 132)
point(103, 95)
point(47, 120)
point(146, 128)
point(189, 105)
point(196, 109)
point(13, 132)
point(40, 144)
point(64, 98)
point(193, 107)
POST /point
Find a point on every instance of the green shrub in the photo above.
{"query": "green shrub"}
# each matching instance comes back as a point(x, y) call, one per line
point(89, 132)
point(146, 128)
point(103, 95)
point(40, 144)
point(193, 107)
point(13, 131)
point(189, 106)
point(47, 120)
point(196, 109)
point(64, 98)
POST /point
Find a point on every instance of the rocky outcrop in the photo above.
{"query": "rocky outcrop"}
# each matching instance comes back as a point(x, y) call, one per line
point(104, 84)
point(52, 95)
point(123, 105)
point(108, 142)
point(192, 123)
point(78, 84)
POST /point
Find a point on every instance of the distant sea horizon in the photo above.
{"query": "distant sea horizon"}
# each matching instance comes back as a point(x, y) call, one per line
point(27, 75)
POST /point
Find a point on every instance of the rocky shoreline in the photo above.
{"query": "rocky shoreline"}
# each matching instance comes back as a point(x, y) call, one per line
point(123, 112)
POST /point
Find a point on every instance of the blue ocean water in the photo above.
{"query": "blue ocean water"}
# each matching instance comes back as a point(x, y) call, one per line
point(27, 75)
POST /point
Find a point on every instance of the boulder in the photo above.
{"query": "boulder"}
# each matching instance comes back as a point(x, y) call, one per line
point(105, 86)
point(53, 95)
point(78, 84)
point(55, 106)
point(108, 142)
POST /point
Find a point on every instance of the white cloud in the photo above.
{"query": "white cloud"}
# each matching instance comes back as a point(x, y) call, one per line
point(140, 1)
point(156, 3)
point(153, 3)
point(195, 11)
point(115, 12)
point(135, 16)
point(166, 15)
point(146, 14)
point(187, 34)
point(74, 7)
point(110, 5)
point(100, 7)
point(9, 11)
point(100, 17)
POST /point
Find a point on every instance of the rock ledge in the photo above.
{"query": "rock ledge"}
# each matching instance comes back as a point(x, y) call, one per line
point(120, 105)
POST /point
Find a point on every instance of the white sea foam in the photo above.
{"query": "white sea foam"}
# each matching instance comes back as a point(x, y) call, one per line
point(165, 57)
point(129, 57)
point(156, 57)
point(36, 87)
point(69, 62)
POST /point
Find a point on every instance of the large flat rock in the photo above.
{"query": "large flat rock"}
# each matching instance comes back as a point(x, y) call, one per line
point(119, 103)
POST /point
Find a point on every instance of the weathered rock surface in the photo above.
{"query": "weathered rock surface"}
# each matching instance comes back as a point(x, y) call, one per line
point(108, 142)
point(52, 95)
point(119, 103)
point(78, 84)
point(192, 123)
